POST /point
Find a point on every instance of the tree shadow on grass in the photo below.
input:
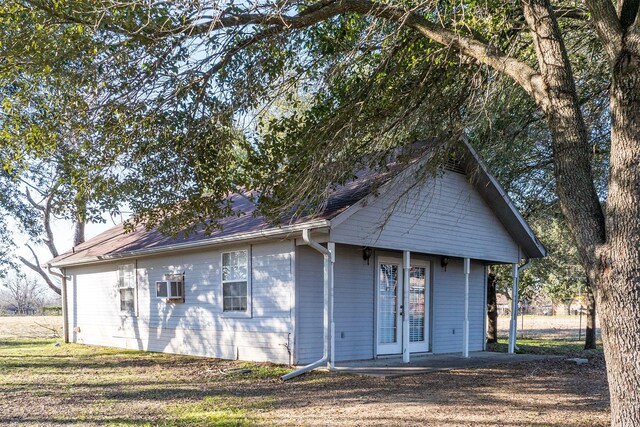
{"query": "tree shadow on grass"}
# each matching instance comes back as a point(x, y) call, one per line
point(6, 344)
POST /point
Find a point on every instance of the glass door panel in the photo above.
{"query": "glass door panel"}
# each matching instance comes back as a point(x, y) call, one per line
point(389, 322)
point(418, 309)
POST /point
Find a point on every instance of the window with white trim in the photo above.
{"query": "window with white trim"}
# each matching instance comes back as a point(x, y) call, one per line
point(235, 282)
point(127, 288)
point(172, 287)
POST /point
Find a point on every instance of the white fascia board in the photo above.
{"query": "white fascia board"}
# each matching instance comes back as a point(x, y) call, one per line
point(285, 231)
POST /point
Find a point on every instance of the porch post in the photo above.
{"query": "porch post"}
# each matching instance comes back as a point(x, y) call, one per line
point(465, 328)
point(332, 345)
point(406, 265)
point(514, 309)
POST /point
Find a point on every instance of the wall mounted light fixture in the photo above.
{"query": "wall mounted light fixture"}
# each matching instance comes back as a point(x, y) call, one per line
point(366, 254)
point(444, 262)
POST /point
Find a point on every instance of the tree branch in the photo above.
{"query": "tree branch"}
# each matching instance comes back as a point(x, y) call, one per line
point(607, 25)
point(38, 269)
point(528, 78)
point(522, 73)
point(577, 13)
point(628, 12)
point(32, 202)
point(46, 219)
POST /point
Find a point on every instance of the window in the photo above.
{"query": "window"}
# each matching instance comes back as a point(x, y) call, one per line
point(235, 286)
point(172, 287)
point(126, 288)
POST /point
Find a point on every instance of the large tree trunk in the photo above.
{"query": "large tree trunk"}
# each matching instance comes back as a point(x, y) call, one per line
point(78, 232)
point(80, 220)
point(571, 151)
point(610, 255)
point(590, 329)
point(618, 286)
point(492, 309)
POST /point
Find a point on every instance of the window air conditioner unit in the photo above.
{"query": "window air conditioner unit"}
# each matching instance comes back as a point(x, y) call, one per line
point(171, 287)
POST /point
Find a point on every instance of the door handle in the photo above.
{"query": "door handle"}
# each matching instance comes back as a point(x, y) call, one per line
point(402, 310)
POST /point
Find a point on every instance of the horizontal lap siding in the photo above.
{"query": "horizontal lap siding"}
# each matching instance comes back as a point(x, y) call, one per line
point(198, 326)
point(448, 307)
point(354, 304)
point(355, 309)
point(309, 307)
point(445, 215)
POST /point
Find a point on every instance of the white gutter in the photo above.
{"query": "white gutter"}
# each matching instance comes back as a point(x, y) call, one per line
point(274, 232)
point(514, 304)
point(329, 259)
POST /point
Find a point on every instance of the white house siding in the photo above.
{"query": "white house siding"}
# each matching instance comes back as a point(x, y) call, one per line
point(198, 326)
point(448, 307)
point(444, 215)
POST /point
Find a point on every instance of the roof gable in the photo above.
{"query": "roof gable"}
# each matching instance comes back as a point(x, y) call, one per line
point(487, 186)
point(343, 202)
point(442, 214)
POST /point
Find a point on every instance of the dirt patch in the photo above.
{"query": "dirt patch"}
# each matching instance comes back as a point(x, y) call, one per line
point(43, 384)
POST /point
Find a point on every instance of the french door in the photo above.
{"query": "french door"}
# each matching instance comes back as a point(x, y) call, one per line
point(390, 308)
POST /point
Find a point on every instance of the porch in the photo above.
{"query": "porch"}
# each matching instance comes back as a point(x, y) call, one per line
point(389, 367)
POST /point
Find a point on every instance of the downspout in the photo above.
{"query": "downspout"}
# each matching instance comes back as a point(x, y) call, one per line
point(65, 312)
point(517, 270)
point(328, 291)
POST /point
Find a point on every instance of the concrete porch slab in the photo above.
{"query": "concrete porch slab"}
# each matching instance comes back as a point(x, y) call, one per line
point(394, 367)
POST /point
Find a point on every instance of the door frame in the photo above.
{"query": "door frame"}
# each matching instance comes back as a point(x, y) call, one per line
point(397, 259)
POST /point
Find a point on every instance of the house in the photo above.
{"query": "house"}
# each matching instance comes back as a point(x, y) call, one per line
point(392, 266)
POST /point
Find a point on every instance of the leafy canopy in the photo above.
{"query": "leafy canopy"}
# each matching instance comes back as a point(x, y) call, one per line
point(172, 106)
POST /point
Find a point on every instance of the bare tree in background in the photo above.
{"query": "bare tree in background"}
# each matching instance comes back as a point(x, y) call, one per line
point(23, 294)
point(44, 207)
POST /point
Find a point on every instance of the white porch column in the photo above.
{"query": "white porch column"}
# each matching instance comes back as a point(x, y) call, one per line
point(514, 309)
point(332, 258)
point(406, 265)
point(465, 326)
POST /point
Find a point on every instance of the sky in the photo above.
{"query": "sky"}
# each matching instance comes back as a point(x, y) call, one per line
point(63, 238)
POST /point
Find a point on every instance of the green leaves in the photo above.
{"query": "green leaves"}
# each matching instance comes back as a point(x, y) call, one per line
point(169, 107)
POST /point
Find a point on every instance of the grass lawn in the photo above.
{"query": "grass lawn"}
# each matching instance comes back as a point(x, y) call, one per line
point(569, 348)
point(43, 383)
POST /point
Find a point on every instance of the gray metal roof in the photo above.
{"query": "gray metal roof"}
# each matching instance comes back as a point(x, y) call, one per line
point(116, 243)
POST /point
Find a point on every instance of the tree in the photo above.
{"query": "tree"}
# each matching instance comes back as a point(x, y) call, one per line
point(363, 59)
point(561, 276)
point(514, 130)
point(23, 294)
point(47, 130)
point(492, 309)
